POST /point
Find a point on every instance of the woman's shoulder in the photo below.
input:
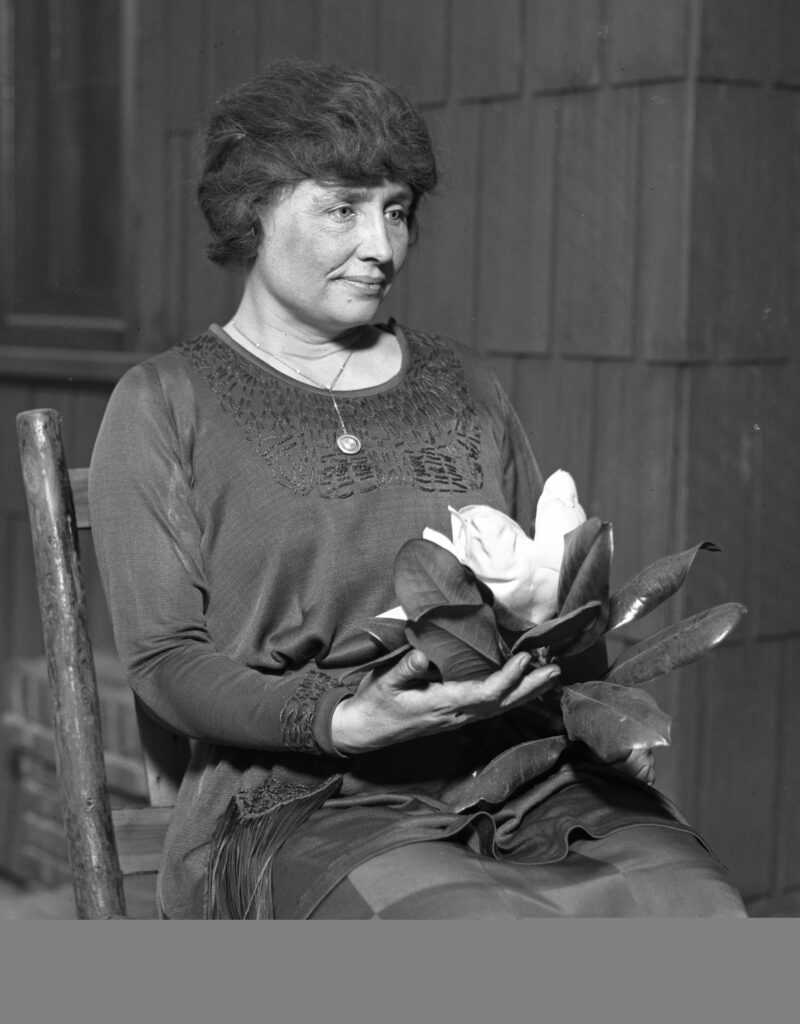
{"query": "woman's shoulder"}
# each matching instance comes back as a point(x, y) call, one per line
point(163, 370)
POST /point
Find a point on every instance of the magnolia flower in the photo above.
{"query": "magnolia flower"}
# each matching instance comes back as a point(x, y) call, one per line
point(521, 571)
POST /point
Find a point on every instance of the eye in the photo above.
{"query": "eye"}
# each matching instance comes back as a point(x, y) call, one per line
point(397, 215)
point(344, 212)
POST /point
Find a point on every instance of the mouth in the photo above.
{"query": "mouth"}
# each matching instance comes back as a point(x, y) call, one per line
point(366, 285)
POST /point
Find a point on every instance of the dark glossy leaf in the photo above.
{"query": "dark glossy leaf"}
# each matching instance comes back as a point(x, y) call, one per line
point(653, 585)
point(384, 662)
point(387, 631)
point(462, 643)
point(507, 620)
point(676, 645)
point(586, 568)
point(585, 665)
point(560, 632)
point(516, 767)
point(612, 719)
point(427, 576)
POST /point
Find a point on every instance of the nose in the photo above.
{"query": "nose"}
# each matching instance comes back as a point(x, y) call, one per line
point(375, 245)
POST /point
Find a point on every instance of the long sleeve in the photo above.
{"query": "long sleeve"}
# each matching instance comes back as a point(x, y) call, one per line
point(149, 543)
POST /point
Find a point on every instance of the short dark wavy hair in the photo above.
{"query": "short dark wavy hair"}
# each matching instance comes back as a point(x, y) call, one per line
point(299, 120)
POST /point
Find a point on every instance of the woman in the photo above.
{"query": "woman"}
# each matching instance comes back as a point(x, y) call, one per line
point(249, 491)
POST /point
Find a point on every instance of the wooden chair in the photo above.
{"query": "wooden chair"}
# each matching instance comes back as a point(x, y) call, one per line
point(104, 845)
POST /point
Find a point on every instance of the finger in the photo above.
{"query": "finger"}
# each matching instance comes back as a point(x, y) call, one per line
point(411, 667)
point(512, 684)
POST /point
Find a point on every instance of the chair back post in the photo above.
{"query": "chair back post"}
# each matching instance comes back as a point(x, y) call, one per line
point(85, 804)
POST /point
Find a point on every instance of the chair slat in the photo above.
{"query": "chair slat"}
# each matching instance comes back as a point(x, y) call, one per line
point(140, 833)
point(79, 481)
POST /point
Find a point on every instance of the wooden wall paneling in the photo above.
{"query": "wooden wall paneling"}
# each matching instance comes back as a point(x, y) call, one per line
point(721, 498)
point(788, 58)
point(441, 271)
point(741, 242)
point(776, 593)
point(636, 483)
point(556, 400)
point(197, 292)
point(487, 49)
point(14, 397)
point(563, 43)
point(350, 32)
point(288, 30)
point(648, 41)
point(232, 50)
point(515, 206)
point(596, 207)
point(739, 40)
point(788, 788)
point(149, 181)
point(740, 760)
point(186, 95)
point(414, 47)
point(665, 209)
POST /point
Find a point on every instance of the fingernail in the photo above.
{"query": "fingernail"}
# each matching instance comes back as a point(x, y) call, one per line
point(553, 673)
point(524, 661)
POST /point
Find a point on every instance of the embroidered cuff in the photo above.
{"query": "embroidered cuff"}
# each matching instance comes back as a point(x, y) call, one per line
point(306, 716)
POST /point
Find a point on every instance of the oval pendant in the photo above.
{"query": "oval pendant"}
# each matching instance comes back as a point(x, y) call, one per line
point(348, 443)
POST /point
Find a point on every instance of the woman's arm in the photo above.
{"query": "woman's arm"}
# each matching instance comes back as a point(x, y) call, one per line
point(148, 542)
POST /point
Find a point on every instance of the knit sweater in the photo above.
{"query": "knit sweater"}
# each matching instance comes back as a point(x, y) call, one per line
point(241, 552)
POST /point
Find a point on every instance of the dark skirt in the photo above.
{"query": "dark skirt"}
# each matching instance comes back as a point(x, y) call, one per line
point(600, 845)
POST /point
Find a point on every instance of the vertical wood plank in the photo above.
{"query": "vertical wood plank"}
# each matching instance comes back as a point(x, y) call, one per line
point(788, 790)
point(648, 41)
point(414, 48)
point(722, 469)
point(745, 180)
point(596, 204)
point(556, 403)
point(636, 475)
point(740, 760)
point(487, 51)
point(151, 188)
point(350, 32)
point(232, 45)
point(563, 40)
point(776, 595)
point(662, 244)
point(739, 40)
point(287, 30)
point(440, 274)
point(516, 224)
point(186, 92)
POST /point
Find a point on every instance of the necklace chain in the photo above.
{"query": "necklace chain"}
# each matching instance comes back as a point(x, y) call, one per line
point(347, 442)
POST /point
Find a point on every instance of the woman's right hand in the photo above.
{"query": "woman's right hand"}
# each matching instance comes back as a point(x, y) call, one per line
point(404, 702)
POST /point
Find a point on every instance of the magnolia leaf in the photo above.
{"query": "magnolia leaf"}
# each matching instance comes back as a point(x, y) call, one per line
point(676, 645)
point(504, 774)
point(613, 720)
point(461, 642)
point(558, 632)
point(391, 633)
point(653, 585)
point(511, 769)
point(426, 576)
point(586, 566)
point(384, 661)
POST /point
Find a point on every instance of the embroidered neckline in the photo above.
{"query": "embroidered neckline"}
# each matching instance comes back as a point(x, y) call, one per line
point(388, 385)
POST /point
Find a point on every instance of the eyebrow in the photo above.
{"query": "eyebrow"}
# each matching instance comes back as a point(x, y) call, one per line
point(401, 194)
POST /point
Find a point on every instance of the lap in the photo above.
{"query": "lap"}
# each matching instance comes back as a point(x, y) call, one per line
point(640, 871)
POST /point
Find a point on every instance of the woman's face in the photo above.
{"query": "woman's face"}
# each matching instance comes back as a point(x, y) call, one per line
point(329, 255)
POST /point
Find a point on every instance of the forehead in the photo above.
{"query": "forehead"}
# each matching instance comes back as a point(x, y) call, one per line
point(316, 192)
